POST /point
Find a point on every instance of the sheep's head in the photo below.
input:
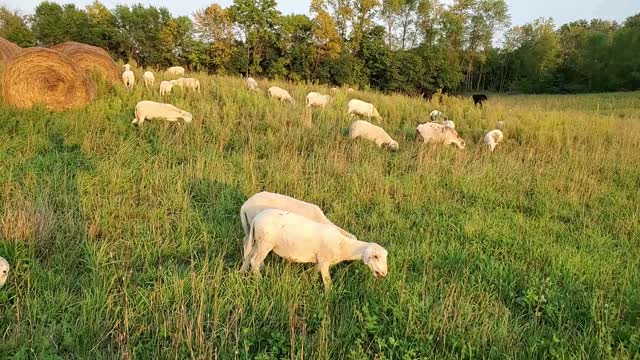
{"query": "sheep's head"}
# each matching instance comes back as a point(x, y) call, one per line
point(376, 114)
point(187, 117)
point(4, 271)
point(454, 138)
point(127, 67)
point(393, 145)
point(375, 257)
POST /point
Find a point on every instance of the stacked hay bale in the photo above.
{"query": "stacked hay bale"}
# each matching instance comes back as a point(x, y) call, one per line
point(91, 59)
point(8, 49)
point(58, 78)
point(47, 77)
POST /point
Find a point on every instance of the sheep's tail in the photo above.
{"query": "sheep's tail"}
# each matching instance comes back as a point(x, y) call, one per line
point(248, 246)
point(246, 226)
point(245, 221)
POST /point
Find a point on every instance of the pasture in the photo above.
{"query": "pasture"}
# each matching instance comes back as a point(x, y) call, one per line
point(125, 242)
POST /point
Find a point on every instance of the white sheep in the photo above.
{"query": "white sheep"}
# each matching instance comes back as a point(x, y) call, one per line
point(439, 134)
point(449, 123)
point(4, 271)
point(366, 130)
point(350, 90)
point(148, 79)
point(500, 125)
point(268, 200)
point(359, 107)
point(300, 240)
point(128, 78)
point(189, 83)
point(165, 88)
point(493, 138)
point(334, 90)
point(175, 71)
point(154, 110)
point(317, 100)
point(252, 84)
point(280, 94)
point(436, 114)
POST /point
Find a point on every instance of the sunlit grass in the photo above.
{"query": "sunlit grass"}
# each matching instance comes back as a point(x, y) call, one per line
point(133, 239)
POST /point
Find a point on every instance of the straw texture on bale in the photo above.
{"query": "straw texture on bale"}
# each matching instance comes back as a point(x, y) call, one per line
point(91, 59)
point(47, 77)
point(8, 49)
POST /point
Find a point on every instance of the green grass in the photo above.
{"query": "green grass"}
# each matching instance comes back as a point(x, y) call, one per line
point(126, 242)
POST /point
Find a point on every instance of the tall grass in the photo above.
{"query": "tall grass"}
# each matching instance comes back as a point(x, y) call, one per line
point(126, 241)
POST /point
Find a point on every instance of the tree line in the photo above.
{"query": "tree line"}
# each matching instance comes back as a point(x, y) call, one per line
point(410, 46)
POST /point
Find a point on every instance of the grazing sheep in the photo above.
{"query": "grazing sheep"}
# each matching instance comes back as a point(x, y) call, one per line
point(372, 132)
point(175, 71)
point(437, 114)
point(439, 134)
point(479, 99)
point(128, 78)
point(154, 110)
point(350, 90)
point(280, 94)
point(148, 79)
point(427, 95)
point(252, 84)
point(4, 271)
point(493, 138)
point(300, 240)
point(165, 88)
point(267, 200)
point(317, 99)
point(334, 90)
point(189, 83)
point(500, 125)
point(359, 107)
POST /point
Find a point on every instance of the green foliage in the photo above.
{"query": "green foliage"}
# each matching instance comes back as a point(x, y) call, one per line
point(152, 36)
point(409, 46)
point(14, 28)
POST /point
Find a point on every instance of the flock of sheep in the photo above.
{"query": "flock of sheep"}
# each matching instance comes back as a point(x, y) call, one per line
point(436, 132)
point(293, 229)
point(154, 110)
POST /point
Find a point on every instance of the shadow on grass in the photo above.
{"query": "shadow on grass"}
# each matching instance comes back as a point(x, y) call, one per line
point(218, 207)
point(55, 169)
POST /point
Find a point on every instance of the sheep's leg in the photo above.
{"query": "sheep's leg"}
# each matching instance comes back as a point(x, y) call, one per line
point(260, 253)
point(245, 262)
point(246, 248)
point(326, 277)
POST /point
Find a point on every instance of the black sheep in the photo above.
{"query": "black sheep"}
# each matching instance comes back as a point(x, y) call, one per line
point(479, 99)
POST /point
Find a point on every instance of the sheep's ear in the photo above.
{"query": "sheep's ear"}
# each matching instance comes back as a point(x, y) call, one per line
point(366, 255)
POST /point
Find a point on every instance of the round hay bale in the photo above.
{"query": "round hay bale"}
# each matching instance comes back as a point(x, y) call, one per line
point(47, 77)
point(8, 49)
point(92, 59)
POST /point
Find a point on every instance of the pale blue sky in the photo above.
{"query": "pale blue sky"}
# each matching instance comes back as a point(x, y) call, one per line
point(522, 11)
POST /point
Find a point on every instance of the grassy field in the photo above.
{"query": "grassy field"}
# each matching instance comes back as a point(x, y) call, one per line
point(126, 242)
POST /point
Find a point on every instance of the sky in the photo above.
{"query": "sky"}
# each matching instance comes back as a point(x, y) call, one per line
point(522, 11)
